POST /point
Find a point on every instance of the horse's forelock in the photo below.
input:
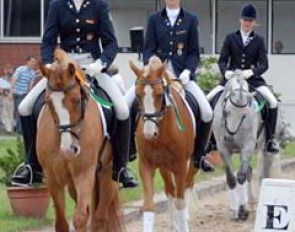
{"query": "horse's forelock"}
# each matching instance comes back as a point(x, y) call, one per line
point(155, 63)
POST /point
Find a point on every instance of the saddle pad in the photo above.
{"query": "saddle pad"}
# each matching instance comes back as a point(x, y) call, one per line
point(185, 95)
point(108, 114)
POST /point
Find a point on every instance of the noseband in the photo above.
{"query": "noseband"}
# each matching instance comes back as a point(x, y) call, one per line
point(69, 127)
point(228, 98)
point(158, 115)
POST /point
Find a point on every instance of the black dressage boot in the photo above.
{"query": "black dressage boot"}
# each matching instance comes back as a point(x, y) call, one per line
point(31, 171)
point(120, 155)
point(272, 145)
point(203, 134)
point(133, 123)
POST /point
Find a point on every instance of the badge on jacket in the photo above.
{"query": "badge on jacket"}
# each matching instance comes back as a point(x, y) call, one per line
point(180, 47)
point(89, 36)
point(90, 21)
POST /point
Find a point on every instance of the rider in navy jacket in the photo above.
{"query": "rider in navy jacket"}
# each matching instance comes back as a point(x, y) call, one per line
point(245, 50)
point(81, 30)
point(236, 55)
point(179, 44)
point(81, 26)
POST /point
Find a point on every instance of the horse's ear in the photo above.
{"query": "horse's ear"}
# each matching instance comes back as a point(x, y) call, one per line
point(71, 69)
point(134, 68)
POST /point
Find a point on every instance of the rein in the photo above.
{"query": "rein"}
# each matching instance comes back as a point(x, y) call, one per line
point(69, 127)
point(228, 98)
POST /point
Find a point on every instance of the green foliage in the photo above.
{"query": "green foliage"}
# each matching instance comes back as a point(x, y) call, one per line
point(10, 161)
point(208, 75)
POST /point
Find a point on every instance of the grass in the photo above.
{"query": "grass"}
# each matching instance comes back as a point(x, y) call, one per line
point(11, 223)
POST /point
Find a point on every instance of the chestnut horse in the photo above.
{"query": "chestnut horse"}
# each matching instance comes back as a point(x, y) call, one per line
point(162, 144)
point(71, 146)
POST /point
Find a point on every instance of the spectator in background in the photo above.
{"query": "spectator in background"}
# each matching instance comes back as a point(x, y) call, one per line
point(7, 115)
point(22, 82)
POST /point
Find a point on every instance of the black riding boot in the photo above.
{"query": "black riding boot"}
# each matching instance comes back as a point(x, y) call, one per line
point(120, 155)
point(203, 134)
point(31, 172)
point(132, 148)
point(272, 145)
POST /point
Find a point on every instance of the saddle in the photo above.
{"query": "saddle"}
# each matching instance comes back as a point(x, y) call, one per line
point(109, 117)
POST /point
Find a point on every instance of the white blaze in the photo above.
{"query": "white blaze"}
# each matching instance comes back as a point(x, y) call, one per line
point(150, 128)
point(64, 118)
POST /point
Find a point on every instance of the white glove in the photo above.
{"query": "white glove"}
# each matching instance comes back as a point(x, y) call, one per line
point(185, 76)
point(248, 73)
point(228, 74)
point(94, 68)
point(48, 66)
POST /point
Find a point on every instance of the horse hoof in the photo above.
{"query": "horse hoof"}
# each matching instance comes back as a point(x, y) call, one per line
point(243, 214)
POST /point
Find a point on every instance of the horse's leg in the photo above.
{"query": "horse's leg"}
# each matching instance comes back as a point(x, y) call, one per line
point(250, 188)
point(242, 185)
point(57, 193)
point(230, 180)
point(147, 173)
point(171, 194)
point(180, 202)
point(84, 189)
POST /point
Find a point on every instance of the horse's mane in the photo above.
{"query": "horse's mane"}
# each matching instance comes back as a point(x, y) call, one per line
point(62, 58)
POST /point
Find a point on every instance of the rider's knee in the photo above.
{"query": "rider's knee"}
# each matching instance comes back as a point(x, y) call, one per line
point(273, 103)
point(23, 109)
point(122, 111)
point(207, 115)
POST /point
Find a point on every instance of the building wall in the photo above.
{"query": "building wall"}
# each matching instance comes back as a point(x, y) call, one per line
point(16, 54)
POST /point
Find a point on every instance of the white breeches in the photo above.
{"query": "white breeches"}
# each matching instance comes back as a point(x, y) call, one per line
point(268, 95)
point(114, 92)
point(106, 82)
point(205, 108)
point(194, 89)
point(264, 90)
point(26, 106)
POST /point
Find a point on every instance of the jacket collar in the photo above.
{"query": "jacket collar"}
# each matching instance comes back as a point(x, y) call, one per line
point(240, 40)
point(181, 13)
point(71, 5)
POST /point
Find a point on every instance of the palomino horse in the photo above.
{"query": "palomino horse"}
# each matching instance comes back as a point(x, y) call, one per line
point(161, 143)
point(237, 128)
point(71, 146)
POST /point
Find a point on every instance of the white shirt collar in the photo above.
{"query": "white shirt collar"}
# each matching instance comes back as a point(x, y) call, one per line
point(172, 14)
point(245, 36)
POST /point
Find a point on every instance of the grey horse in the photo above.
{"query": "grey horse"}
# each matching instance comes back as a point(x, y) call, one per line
point(237, 128)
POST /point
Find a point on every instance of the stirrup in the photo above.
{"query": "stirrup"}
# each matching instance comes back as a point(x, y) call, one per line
point(18, 169)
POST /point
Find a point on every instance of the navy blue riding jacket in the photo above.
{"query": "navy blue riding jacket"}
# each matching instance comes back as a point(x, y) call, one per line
point(235, 55)
point(178, 44)
point(80, 31)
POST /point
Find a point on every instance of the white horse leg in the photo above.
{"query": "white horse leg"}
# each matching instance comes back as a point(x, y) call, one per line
point(172, 213)
point(148, 221)
point(182, 215)
point(233, 201)
point(242, 192)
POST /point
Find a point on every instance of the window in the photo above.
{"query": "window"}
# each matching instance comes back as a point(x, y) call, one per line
point(128, 14)
point(228, 14)
point(283, 27)
point(203, 9)
point(21, 20)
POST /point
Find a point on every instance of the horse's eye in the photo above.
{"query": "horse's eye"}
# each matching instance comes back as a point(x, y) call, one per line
point(76, 101)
